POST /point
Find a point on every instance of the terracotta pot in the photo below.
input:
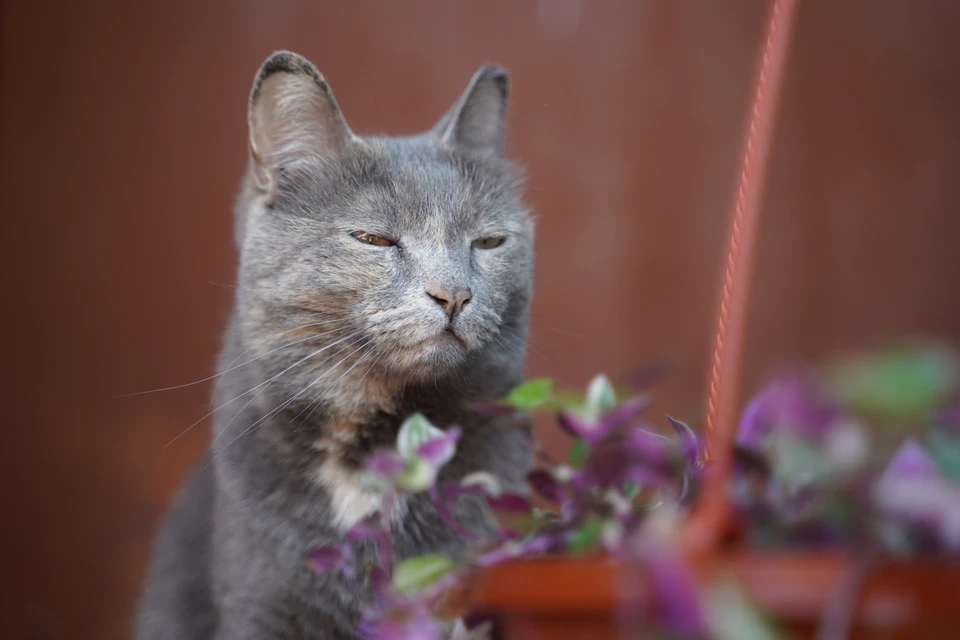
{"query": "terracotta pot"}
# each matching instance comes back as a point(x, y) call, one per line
point(580, 599)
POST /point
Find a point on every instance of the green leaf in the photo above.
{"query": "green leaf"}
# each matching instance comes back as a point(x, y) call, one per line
point(579, 453)
point(532, 394)
point(795, 461)
point(517, 520)
point(415, 431)
point(373, 481)
point(586, 537)
point(418, 476)
point(418, 572)
point(601, 397)
point(903, 383)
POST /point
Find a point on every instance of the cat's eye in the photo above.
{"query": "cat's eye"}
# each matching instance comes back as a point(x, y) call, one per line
point(375, 240)
point(488, 243)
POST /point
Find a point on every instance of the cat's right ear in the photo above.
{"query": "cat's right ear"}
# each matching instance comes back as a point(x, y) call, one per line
point(477, 122)
point(293, 117)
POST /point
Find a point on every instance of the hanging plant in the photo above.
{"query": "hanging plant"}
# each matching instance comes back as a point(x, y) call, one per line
point(823, 459)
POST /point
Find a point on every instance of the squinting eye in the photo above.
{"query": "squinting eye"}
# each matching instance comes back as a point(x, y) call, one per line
point(369, 238)
point(489, 243)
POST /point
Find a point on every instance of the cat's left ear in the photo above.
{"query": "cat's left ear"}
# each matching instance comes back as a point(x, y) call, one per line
point(477, 123)
point(293, 116)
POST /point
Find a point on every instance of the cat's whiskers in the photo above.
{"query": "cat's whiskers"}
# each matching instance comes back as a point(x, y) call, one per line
point(283, 405)
point(259, 386)
point(295, 342)
point(460, 377)
point(372, 365)
point(230, 367)
point(327, 372)
point(264, 385)
point(216, 452)
point(335, 382)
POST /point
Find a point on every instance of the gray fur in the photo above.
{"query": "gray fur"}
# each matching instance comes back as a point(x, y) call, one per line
point(300, 406)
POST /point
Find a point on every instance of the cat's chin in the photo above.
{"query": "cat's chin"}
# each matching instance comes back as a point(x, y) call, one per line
point(443, 352)
point(446, 349)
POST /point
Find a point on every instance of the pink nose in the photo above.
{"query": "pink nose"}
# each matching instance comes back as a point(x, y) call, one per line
point(452, 302)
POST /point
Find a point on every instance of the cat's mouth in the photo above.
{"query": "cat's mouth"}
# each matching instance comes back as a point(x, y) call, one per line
point(434, 351)
point(450, 333)
point(448, 345)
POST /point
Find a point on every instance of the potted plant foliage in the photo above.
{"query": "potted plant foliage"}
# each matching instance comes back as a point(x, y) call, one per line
point(845, 490)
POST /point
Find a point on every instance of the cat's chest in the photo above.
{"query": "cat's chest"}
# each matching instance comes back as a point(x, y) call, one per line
point(338, 454)
point(355, 425)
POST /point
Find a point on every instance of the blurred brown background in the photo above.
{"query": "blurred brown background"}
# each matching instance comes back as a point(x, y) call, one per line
point(123, 141)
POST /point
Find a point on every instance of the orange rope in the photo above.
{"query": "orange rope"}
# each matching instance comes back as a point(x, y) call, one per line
point(725, 373)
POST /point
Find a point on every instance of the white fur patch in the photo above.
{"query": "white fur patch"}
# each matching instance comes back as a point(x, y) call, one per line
point(350, 500)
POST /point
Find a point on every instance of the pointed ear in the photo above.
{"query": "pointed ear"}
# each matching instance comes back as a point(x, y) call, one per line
point(293, 116)
point(477, 122)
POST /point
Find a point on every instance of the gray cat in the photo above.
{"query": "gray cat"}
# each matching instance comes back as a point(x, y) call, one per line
point(378, 276)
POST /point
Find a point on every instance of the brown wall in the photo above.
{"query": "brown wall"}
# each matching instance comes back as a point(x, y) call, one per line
point(123, 141)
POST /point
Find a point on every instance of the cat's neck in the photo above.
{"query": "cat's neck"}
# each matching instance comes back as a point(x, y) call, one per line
point(325, 438)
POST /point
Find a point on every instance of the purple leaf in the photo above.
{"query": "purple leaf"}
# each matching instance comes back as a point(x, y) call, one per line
point(910, 461)
point(626, 412)
point(386, 464)
point(755, 422)
point(646, 477)
point(606, 468)
point(501, 553)
point(329, 558)
point(410, 621)
point(685, 486)
point(637, 455)
point(647, 444)
point(439, 451)
point(381, 584)
point(688, 440)
point(546, 485)
point(511, 534)
point(794, 403)
point(678, 602)
point(594, 431)
point(513, 549)
point(913, 492)
point(367, 529)
point(510, 502)
point(577, 426)
point(573, 510)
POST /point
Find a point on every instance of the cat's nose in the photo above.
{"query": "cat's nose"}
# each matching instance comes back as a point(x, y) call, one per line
point(452, 302)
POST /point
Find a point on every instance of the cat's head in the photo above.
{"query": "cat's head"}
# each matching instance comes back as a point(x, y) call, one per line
point(411, 256)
